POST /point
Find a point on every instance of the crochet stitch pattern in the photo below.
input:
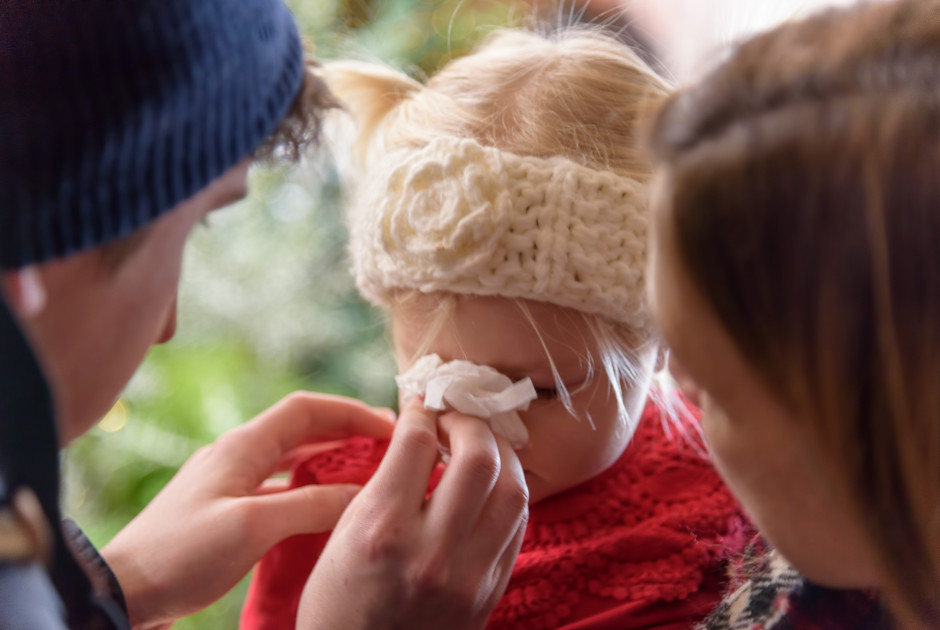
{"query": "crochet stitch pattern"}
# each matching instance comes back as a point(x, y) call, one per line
point(461, 217)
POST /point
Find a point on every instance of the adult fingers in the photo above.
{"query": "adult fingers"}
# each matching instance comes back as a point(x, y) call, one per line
point(305, 510)
point(506, 508)
point(302, 417)
point(273, 486)
point(302, 453)
point(502, 563)
point(255, 448)
point(405, 471)
point(471, 474)
point(502, 570)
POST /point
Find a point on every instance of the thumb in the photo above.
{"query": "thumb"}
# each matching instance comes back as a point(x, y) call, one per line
point(305, 510)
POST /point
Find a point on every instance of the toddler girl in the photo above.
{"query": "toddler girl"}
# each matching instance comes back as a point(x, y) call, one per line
point(500, 217)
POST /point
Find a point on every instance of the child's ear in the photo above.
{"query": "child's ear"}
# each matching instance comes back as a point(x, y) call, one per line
point(24, 291)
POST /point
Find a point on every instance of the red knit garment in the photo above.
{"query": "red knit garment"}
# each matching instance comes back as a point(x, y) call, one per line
point(642, 545)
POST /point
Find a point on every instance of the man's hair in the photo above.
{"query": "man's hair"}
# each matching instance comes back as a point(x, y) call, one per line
point(303, 123)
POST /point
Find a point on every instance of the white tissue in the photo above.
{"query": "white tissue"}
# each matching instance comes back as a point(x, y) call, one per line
point(476, 390)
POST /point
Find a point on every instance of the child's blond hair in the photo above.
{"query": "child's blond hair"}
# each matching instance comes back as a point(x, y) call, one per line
point(578, 94)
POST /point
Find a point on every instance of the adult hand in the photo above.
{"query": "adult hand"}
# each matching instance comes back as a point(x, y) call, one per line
point(216, 517)
point(399, 560)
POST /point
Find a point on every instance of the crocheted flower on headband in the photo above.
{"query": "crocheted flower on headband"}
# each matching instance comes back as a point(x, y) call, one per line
point(446, 213)
point(461, 217)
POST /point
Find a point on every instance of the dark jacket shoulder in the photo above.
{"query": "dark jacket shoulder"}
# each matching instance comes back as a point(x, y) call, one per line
point(29, 597)
point(50, 574)
point(28, 600)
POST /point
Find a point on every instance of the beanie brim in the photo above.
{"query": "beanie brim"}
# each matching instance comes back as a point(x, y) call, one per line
point(112, 114)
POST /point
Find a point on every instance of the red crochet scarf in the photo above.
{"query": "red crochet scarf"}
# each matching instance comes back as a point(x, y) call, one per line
point(642, 545)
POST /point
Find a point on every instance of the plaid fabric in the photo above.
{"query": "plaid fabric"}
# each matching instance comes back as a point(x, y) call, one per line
point(775, 597)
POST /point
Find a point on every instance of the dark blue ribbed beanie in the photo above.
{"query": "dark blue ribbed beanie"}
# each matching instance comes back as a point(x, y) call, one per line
point(113, 112)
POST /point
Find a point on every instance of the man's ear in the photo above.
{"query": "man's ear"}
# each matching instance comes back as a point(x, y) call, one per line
point(24, 291)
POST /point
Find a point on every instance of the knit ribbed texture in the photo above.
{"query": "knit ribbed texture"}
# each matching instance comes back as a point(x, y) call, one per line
point(642, 545)
point(112, 113)
point(461, 217)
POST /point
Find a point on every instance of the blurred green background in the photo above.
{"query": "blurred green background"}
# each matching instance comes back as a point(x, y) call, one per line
point(266, 304)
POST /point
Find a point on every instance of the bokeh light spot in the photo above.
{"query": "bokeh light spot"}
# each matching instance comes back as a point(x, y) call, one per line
point(116, 419)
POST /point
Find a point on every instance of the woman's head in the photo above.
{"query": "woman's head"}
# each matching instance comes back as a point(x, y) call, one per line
point(797, 275)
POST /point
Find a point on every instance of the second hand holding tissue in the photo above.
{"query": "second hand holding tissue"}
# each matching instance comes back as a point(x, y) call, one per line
point(475, 390)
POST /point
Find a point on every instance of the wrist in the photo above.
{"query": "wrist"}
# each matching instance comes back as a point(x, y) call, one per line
point(139, 590)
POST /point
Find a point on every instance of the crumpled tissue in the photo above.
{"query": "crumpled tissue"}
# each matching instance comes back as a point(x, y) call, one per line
point(476, 390)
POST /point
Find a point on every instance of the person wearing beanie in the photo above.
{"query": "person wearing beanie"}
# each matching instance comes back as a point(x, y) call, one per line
point(122, 125)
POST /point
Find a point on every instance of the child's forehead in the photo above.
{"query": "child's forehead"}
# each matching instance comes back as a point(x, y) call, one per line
point(483, 315)
point(513, 336)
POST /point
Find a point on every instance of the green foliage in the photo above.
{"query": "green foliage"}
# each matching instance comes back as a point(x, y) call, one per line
point(266, 304)
point(411, 34)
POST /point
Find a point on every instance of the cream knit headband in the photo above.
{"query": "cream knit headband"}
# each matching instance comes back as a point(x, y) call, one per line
point(460, 217)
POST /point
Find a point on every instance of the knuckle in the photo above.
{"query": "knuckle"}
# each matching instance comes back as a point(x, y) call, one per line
point(296, 400)
point(227, 442)
point(523, 524)
point(240, 519)
point(202, 453)
point(434, 576)
point(480, 465)
point(383, 547)
point(512, 497)
point(509, 508)
point(515, 498)
point(418, 439)
point(384, 539)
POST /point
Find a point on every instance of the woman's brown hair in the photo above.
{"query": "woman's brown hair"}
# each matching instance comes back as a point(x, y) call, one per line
point(804, 190)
